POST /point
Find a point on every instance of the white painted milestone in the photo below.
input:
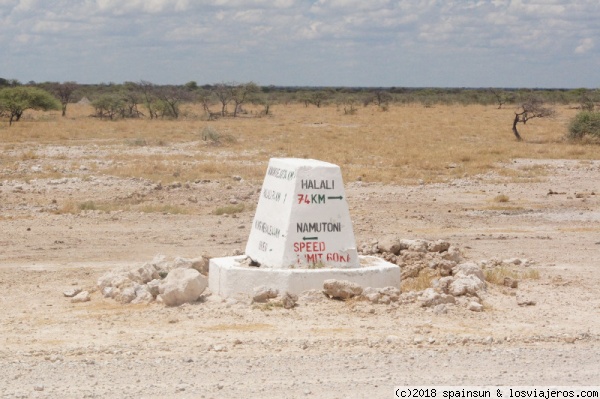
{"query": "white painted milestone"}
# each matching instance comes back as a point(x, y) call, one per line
point(302, 219)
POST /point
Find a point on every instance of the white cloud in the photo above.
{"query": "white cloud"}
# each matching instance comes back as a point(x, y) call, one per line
point(26, 5)
point(585, 45)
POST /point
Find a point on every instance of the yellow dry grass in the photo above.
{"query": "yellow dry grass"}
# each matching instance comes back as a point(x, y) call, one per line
point(496, 275)
point(421, 282)
point(402, 145)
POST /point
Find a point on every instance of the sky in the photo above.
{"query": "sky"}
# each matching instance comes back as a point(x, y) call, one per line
point(369, 43)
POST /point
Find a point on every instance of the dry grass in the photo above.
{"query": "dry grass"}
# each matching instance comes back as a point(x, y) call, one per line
point(496, 275)
point(229, 209)
point(419, 283)
point(402, 145)
point(107, 207)
point(501, 198)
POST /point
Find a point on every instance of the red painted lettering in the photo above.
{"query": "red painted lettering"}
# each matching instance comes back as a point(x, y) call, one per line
point(335, 257)
point(318, 246)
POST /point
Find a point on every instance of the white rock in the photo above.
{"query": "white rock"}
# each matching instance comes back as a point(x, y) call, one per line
point(391, 245)
point(452, 254)
point(142, 295)
point(392, 292)
point(430, 297)
point(443, 265)
point(201, 264)
point(371, 294)
point(126, 294)
point(71, 292)
point(83, 296)
point(160, 262)
point(443, 284)
point(182, 286)
point(475, 306)
point(414, 245)
point(288, 300)
point(438, 246)
point(153, 287)
point(467, 285)
point(468, 269)
point(143, 274)
point(341, 289)
point(373, 297)
point(115, 278)
point(263, 294)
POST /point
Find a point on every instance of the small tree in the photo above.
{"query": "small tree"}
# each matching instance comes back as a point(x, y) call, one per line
point(266, 100)
point(109, 106)
point(132, 96)
point(223, 94)
point(531, 108)
point(148, 92)
point(16, 100)
point(240, 93)
point(350, 105)
point(170, 98)
point(381, 98)
point(64, 93)
point(318, 97)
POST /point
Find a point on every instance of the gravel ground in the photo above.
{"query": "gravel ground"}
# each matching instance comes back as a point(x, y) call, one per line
point(50, 347)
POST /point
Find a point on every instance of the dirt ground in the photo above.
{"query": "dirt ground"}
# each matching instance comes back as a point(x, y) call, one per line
point(50, 347)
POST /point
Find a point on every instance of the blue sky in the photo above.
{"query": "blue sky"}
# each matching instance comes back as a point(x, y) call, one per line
point(403, 43)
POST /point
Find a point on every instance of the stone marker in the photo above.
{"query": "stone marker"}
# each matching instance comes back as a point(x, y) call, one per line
point(300, 237)
point(302, 219)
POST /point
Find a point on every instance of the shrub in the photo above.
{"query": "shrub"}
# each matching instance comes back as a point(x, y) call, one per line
point(585, 123)
point(211, 134)
point(213, 137)
point(501, 198)
point(229, 209)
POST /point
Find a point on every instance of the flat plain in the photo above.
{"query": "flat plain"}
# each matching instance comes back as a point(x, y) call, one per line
point(80, 196)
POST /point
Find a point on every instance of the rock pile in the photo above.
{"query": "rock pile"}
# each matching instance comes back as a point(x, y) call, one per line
point(415, 255)
point(454, 281)
point(172, 283)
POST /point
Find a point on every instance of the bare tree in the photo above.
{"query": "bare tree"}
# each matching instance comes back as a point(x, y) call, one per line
point(531, 108)
point(223, 93)
point(148, 90)
point(502, 97)
point(266, 100)
point(64, 93)
point(381, 98)
point(132, 97)
point(171, 97)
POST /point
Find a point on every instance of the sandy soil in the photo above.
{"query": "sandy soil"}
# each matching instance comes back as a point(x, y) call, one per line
point(50, 347)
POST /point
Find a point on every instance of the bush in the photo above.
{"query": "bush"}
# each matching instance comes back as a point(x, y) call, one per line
point(213, 137)
point(585, 123)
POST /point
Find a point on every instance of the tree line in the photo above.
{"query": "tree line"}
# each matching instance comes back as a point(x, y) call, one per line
point(145, 99)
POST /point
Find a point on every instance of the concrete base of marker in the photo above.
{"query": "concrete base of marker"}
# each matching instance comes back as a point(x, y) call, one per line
point(227, 278)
